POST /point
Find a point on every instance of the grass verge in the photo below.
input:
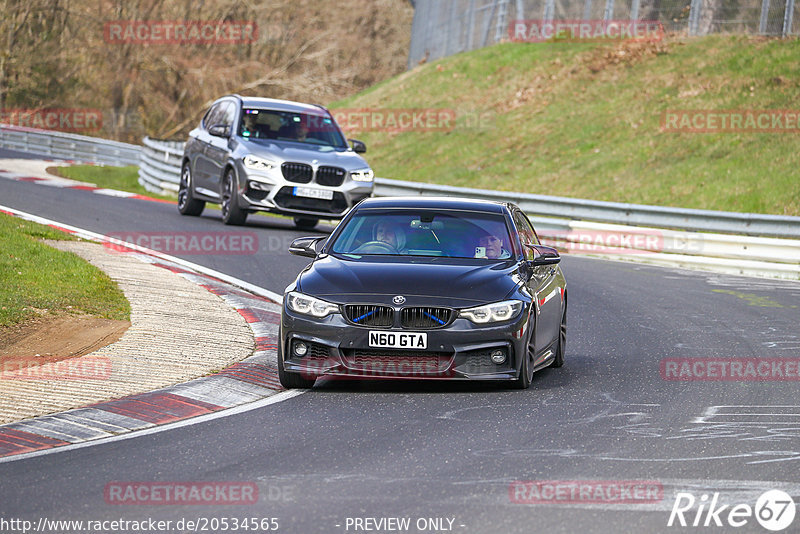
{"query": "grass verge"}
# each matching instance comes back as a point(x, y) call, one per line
point(36, 278)
point(119, 178)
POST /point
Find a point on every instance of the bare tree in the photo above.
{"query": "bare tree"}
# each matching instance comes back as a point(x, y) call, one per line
point(14, 20)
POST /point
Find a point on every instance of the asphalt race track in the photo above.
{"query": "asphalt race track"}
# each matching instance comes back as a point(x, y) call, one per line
point(384, 449)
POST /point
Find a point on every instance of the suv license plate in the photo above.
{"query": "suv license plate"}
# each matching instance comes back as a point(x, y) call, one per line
point(309, 192)
point(398, 340)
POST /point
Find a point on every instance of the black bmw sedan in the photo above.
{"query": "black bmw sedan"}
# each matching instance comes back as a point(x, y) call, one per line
point(425, 288)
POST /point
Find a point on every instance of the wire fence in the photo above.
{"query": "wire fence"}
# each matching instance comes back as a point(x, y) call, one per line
point(445, 27)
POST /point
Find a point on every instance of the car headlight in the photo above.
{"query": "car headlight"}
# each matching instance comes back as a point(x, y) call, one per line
point(493, 313)
point(308, 305)
point(362, 175)
point(258, 164)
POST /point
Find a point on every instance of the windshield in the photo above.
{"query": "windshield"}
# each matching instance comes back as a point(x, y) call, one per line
point(455, 234)
point(309, 129)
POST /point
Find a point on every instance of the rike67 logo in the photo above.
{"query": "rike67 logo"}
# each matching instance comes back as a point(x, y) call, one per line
point(774, 510)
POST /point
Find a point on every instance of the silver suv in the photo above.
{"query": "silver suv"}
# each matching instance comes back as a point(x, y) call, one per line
point(258, 154)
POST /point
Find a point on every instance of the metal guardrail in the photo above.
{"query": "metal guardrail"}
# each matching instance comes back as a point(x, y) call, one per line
point(723, 222)
point(160, 165)
point(699, 239)
point(732, 254)
point(69, 146)
point(160, 170)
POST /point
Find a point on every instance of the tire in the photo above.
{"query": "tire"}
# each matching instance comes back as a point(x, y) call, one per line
point(187, 204)
point(558, 361)
point(232, 214)
point(305, 223)
point(291, 380)
point(525, 377)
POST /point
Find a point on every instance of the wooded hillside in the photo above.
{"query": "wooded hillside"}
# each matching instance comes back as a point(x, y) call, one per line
point(59, 54)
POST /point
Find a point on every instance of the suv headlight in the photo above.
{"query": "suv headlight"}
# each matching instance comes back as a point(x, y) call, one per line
point(362, 175)
point(258, 164)
point(308, 305)
point(493, 313)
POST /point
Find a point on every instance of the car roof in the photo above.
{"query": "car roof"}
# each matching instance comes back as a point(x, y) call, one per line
point(280, 105)
point(425, 202)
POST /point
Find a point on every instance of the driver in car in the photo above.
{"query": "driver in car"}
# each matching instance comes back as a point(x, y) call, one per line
point(390, 233)
point(249, 128)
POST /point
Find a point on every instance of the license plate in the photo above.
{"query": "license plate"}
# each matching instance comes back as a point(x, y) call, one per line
point(310, 192)
point(398, 340)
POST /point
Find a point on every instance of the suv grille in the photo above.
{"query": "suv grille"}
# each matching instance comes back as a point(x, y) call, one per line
point(330, 176)
point(425, 317)
point(368, 315)
point(300, 173)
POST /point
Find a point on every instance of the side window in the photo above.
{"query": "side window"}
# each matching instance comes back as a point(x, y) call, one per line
point(526, 233)
point(226, 117)
point(208, 119)
point(221, 113)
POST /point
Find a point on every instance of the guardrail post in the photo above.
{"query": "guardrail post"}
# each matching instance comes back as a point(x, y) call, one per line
point(694, 16)
point(587, 10)
point(549, 10)
point(762, 23)
point(501, 28)
point(788, 18)
point(635, 6)
point(470, 24)
point(608, 12)
point(488, 24)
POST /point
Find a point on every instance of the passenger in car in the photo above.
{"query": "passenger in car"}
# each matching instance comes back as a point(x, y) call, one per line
point(491, 246)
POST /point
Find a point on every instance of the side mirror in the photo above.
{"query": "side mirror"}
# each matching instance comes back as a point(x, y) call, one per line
point(543, 255)
point(306, 246)
point(358, 146)
point(219, 130)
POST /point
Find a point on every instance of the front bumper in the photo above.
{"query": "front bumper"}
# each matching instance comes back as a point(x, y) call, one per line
point(269, 191)
point(459, 351)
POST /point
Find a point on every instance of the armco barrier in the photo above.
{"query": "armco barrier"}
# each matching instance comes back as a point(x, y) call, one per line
point(160, 165)
point(731, 254)
point(614, 212)
point(69, 146)
point(739, 243)
point(163, 155)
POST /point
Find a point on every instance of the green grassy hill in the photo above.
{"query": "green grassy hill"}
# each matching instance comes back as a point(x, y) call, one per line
point(584, 120)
